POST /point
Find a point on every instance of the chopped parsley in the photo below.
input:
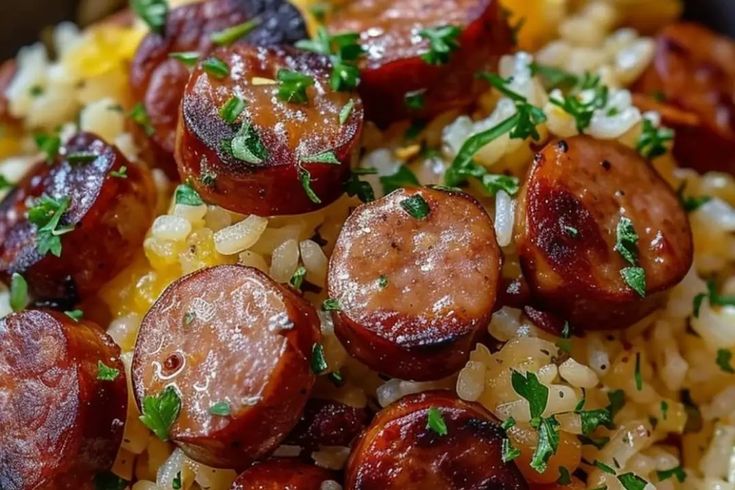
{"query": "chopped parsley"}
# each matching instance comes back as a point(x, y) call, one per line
point(36, 91)
point(5, 183)
point(631, 481)
point(548, 443)
point(355, 187)
point(402, 178)
point(677, 472)
point(318, 360)
point(664, 406)
point(344, 51)
point(592, 419)
point(529, 116)
point(635, 278)
point(46, 213)
point(382, 281)
point(554, 77)
point(713, 297)
point(49, 145)
point(297, 279)
point(106, 373)
point(336, 378)
point(75, 315)
point(652, 142)
point(626, 243)
point(565, 478)
point(724, 361)
point(416, 206)
point(228, 36)
point(215, 67)
point(247, 145)
point(188, 58)
point(691, 204)
point(415, 100)
point(232, 109)
point(637, 375)
point(443, 41)
point(328, 157)
point(18, 292)
point(140, 116)
point(583, 111)
point(122, 173)
point(292, 86)
point(107, 480)
point(152, 12)
point(305, 179)
point(81, 157)
point(509, 452)
point(331, 304)
point(176, 482)
point(346, 111)
point(220, 409)
point(435, 422)
point(186, 195)
point(602, 466)
point(161, 411)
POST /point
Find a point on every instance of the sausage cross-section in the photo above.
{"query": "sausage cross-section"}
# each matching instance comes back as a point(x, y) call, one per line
point(288, 148)
point(158, 81)
point(282, 474)
point(694, 71)
point(415, 275)
point(465, 36)
point(106, 206)
point(590, 214)
point(401, 449)
point(59, 422)
point(236, 348)
point(328, 423)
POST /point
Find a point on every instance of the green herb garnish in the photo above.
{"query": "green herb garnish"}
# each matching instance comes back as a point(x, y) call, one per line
point(435, 422)
point(122, 173)
point(247, 145)
point(152, 12)
point(416, 206)
point(443, 41)
point(188, 58)
point(186, 195)
point(293, 85)
point(81, 157)
point(415, 100)
point(232, 109)
point(331, 304)
point(106, 373)
point(161, 411)
point(49, 145)
point(402, 178)
point(297, 279)
point(652, 142)
point(344, 51)
point(318, 360)
point(305, 179)
point(677, 472)
point(508, 451)
point(724, 361)
point(18, 292)
point(46, 213)
point(328, 157)
point(140, 116)
point(215, 67)
point(220, 409)
point(346, 111)
point(228, 36)
point(714, 298)
point(75, 315)
point(637, 375)
point(631, 481)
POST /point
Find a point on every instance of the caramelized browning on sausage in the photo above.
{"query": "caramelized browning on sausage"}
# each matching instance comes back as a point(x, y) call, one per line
point(257, 164)
point(694, 70)
point(414, 291)
point(159, 81)
point(570, 208)
point(393, 68)
point(399, 450)
point(328, 423)
point(59, 423)
point(228, 335)
point(109, 215)
point(282, 474)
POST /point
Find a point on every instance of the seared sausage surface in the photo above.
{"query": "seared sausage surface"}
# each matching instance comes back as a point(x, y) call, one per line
point(570, 209)
point(400, 451)
point(284, 140)
point(59, 423)
point(393, 67)
point(694, 71)
point(328, 423)
point(414, 292)
point(282, 474)
point(232, 337)
point(159, 81)
point(110, 210)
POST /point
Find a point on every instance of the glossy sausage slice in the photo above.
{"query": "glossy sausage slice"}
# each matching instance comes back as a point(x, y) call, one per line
point(281, 142)
point(59, 423)
point(393, 67)
point(414, 292)
point(228, 335)
point(158, 80)
point(328, 423)
point(400, 451)
point(694, 70)
point(577, 192)
point(282, 474)
point(110, 211)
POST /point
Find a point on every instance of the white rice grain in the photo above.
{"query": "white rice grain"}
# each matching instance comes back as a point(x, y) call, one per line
point(168, 227)
point(285, 261)
point(504, 215)
point(240, 236)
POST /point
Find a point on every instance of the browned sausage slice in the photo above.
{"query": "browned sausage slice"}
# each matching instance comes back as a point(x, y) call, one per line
point(694, 70)
point(399, 450)
point(229, 337)
point(393, 68)
point(414, 286)
point(328, 423)
point(158, 81)
point(102, 188)
point(59, 422)
point(577, 194)
point(278, 156)
point(282, 474)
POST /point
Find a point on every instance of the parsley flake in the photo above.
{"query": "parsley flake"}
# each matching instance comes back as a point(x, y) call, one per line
point(677, 472)
point(18, 292)
point(635, 278)
point(548, 443)
point(435, 422)
point(161, 411)
point(81, 157)
point(533, 391)
point(565, 478)
point(188, 58)
point(5, 183)
point(220, 409)
point(596, 97)
point(305, 179)
point(415, 100)
point(293, 85)
point(443, 41)
point(247, 145)
point(228, 36)
point(328, 157)
point(714, 298)
point(75, 315)
point(49, 145)
point(106, 373)
point(186, 195)
point(626, 243)
point(724, 361)
point(344, 51)
point(631, 481)
point(122, 173)
point(152, 12)
point(46, 213)
point(554, 77)
point(382, 282)
point(176, 482)
point(318, 360)
point(331, 304)
point(109, 481)
point(140, 116)
point(416, 206)
point(353, 186)
point(232, 109)
point(652, 142)
point(346, 111)
point(602, 466)
point(509, 452)
point(297, 279)
point(637, 373)
point(215, 67)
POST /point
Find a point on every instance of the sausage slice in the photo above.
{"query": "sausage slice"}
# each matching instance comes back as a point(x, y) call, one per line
point(400, 450)
point(414, 289)
point(110, 206)
point(159, 81)
point(694, 70)
point(570, 210)
point(328, 423)
point(228, 337)
point(393, 69)
point(59, 422)
point(282, 474)
point(278, 156)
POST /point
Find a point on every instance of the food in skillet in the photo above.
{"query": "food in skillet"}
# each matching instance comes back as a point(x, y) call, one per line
point(456, 245)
